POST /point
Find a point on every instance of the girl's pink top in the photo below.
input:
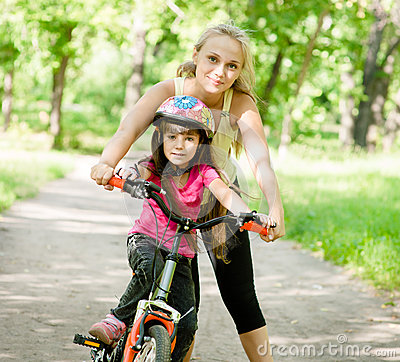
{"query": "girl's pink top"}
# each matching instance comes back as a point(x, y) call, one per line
point(188, 198)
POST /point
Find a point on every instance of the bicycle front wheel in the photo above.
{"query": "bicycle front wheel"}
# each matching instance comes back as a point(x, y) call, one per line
point(157, 346)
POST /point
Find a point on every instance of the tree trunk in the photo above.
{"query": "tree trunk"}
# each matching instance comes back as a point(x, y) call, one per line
point(346, 105)
point(365, 116)
point(274, 76)
point(287, 121)
point(377, 93)
point(7, 100)
point(378, 99)
point(392, 125)
point(363, 121)
point(56, 99)
point(135, 82)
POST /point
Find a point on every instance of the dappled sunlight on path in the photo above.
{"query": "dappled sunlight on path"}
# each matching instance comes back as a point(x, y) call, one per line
point(62, 261)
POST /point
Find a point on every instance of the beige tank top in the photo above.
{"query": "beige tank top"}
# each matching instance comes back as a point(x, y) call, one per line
point(225, 135)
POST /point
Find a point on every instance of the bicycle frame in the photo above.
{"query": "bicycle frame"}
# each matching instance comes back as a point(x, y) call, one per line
point(156, 310)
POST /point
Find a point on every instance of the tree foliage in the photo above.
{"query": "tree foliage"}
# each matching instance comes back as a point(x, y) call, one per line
point(80, 61)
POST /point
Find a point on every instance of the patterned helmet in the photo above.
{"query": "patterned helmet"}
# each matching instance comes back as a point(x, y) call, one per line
point(186, 111)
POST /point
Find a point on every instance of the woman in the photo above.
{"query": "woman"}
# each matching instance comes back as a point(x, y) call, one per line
point(221, 74)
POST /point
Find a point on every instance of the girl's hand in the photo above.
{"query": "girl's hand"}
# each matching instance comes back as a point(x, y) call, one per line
point(131, 173)
point(102, 173)
point(268, 222)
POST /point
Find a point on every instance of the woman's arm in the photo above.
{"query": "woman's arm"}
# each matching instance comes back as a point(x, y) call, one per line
point(130, 129)
point(257, 152)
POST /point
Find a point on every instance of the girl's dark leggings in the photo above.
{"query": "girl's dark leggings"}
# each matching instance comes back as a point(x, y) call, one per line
point(236, 284)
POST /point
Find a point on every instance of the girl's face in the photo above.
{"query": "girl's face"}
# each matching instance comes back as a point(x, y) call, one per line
point(219, 63)
point(180, 148)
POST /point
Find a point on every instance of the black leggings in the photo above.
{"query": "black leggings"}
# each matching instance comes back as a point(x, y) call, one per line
point(236, 284)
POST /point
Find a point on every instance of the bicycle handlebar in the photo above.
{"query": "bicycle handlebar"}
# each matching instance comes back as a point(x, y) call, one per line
point(140, 189)
point(257, 228)
point(117, 182)
point(128, 185)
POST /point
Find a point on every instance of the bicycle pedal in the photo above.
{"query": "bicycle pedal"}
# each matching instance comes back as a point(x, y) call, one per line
point(89, 342)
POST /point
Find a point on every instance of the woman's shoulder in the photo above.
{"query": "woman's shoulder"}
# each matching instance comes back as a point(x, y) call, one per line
point(154, 96)
point(167, 86)
point(242, 102)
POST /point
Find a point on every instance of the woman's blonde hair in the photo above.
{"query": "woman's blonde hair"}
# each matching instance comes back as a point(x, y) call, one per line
point(246, 80)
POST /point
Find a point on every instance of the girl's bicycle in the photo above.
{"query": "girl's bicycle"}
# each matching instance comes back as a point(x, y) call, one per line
point(152, 335)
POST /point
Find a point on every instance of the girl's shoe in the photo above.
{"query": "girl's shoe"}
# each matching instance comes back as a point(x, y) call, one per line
point(109, 330)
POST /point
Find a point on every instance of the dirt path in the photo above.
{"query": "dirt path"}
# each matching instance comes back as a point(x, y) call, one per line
point(62, 260)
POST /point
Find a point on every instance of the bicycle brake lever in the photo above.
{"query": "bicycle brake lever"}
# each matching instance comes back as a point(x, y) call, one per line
point(136, 188)
point(141, 189)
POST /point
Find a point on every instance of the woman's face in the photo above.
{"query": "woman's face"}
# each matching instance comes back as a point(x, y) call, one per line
point(218, 63)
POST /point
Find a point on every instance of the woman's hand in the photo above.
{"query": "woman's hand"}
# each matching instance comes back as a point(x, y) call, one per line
point(101, 173)
point(278, 231)
point(269, 223)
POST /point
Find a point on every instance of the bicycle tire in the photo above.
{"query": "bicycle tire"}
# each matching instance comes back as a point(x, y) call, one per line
point(157, 348)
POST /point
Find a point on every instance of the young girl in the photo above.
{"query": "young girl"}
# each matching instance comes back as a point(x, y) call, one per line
point(182, 164)
point(221, 74)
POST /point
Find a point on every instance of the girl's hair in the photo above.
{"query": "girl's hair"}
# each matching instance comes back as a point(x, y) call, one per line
point(246, 81)
point(158, 164)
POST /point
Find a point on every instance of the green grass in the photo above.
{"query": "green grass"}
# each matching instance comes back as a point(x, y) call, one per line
point(24, 167)
point(346, 207)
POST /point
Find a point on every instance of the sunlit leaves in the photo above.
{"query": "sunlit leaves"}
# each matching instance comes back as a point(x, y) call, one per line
point(35, 35)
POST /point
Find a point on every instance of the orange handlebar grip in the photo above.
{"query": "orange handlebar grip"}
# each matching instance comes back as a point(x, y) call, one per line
point(257, 228)
point(116, 182)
